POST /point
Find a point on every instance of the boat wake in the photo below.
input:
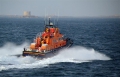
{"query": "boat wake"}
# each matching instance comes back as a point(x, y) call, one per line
point(76, 54)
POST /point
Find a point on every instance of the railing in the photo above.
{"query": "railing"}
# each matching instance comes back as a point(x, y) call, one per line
point(39, 34)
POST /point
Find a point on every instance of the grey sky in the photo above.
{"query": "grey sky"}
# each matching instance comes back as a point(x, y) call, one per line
point(64, 7)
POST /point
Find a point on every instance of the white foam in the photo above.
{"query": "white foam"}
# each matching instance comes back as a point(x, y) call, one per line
point(75, 54)
point(11, 49)
point(82, 53)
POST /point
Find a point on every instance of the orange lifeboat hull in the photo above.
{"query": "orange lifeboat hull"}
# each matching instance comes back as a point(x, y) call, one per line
point(49, 53)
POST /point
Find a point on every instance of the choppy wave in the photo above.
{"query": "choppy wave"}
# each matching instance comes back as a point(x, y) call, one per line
point(76, 54)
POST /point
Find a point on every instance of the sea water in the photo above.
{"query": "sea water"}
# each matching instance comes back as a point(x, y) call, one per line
point(95, 52)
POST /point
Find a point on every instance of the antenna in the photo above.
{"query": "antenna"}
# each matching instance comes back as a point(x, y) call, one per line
point(49, 20)
point(58, 17)
point(54, 19)
point(45, 17)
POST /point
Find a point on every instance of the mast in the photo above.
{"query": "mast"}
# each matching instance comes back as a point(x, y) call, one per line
point(49, 20)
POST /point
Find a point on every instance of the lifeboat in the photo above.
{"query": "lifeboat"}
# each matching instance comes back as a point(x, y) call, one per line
point(48, 43)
